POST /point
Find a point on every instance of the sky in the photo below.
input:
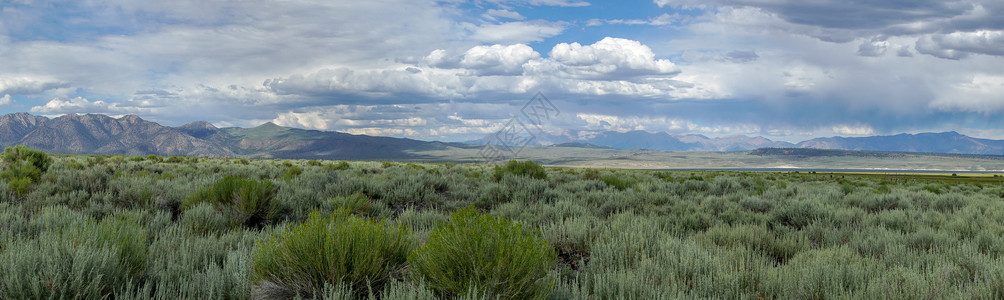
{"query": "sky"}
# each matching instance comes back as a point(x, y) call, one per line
point(458, 70)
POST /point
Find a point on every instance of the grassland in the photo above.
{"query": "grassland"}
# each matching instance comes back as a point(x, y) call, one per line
point(650, 160)
point(152, 227)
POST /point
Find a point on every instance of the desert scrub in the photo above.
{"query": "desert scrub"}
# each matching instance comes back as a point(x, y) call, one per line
point(484, 255)
point(24, 166)
point(251, 201)
point(85, 261)
point(520, 168)
point(322, 252)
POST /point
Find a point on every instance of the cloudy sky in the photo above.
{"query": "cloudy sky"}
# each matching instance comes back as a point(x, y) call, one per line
point(457, 70)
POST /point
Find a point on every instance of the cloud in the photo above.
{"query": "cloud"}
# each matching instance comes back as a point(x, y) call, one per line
point(309, 120)
point(6, 100)
point(958, 45)
point(610, 57)
point(564, 3)
point(854, 130)
point(873, 48)
point(82, 105)
point(27, 86)
point(498, 59)
point(946, 29)
point(504, 13)
point(516, 32)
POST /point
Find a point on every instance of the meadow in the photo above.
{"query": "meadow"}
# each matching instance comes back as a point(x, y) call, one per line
point(150, 227)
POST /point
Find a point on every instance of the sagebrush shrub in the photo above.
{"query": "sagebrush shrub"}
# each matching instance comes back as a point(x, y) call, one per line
point(486, 254)
point(253, 201)
point(520, 168)
point(349, 250)
point(86, 261)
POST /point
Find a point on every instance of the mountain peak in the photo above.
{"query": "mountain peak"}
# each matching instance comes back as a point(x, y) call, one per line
point(199, 125)
point(131, 118)
point(268, 124)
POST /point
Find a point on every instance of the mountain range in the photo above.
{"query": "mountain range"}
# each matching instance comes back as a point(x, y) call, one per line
point(943, 142)
point(131, 135)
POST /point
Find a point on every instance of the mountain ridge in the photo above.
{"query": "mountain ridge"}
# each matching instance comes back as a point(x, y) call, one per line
point(132, 135)
point(950, 142)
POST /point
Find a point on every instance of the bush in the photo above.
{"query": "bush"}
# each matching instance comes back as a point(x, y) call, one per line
point(342, 165)
point(251, 200)
point(521, 168)
point(617, 182)
point(302, 260)
point(486, 255)
point(37, 158)
point(291, 172)
point(89, 261)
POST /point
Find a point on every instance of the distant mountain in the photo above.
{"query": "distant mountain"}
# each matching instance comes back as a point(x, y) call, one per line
point(945, 142)
point(131, 135)
point(656, 141)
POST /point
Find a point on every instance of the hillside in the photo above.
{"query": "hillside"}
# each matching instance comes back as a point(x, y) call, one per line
point(131, 135)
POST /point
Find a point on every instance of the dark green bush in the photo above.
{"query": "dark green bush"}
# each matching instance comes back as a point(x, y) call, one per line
point(616, 182)
point(314, 163)
point(175, 159)
point(520, 168)
point(37, 158)
point(357, 203)
point(291, 172)
point(252, 201)
point(303, 259)
point(342, 165)
point(484, 254)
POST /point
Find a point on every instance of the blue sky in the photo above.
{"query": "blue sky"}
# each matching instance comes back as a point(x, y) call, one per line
point(457, 70)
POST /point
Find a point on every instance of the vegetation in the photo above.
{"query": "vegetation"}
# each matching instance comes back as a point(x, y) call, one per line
point(325, 252)
point(484, 255)
point(121, 227)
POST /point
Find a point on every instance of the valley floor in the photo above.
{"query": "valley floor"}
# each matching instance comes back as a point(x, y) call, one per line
point(169, 228)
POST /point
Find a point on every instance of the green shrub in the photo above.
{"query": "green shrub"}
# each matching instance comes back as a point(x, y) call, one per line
point(37, 158)
point(252, 201)
point(242, 161)
point(617, 182)
point(357, 203)
point(521, 168)
point(302, 260)
point(478, 252)
point(291, 172)
point(591, 174)
point(154, 158)
point(342, 165)
point(314, 163)
point(175, 159)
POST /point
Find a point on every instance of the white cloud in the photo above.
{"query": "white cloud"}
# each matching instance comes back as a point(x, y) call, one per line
point(853, 130)
point(6, 100)
point(611, 56)
point(516, 32)
point(82, 105)
point(979, 93)
point(504, 13)
point(498, 59)
point(309, 120)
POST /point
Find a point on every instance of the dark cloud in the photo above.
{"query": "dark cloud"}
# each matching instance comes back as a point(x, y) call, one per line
point(741, 56)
